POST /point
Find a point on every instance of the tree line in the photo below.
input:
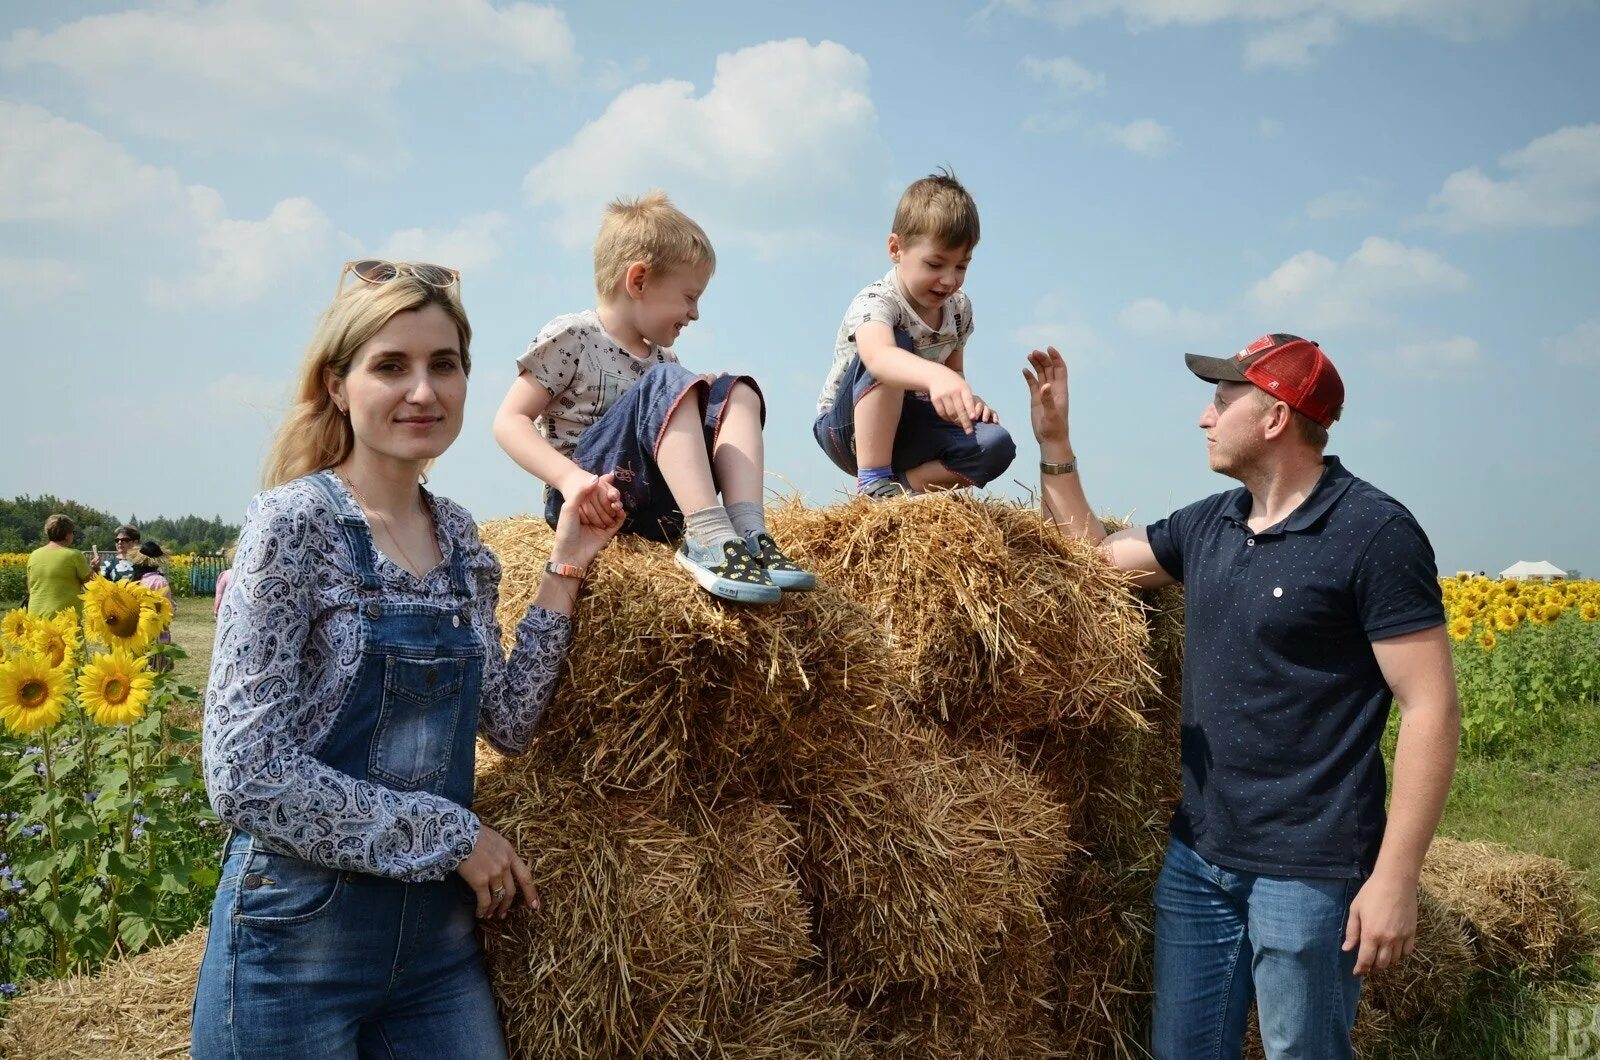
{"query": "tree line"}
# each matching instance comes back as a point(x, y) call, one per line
point(22, 527)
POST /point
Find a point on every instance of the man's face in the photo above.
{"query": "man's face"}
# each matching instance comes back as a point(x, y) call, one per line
point(1234, 422)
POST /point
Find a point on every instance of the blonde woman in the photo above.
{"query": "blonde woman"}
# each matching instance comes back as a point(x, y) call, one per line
point(357, 659)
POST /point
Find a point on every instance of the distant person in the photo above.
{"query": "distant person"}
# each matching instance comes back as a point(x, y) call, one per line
point(1312, 605)
point(223, 579)
point(148, 573)
point(119, 568)
point(57, 572)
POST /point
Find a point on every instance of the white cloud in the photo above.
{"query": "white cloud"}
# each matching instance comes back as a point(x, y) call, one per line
point(240, 69)
point(240, 260)
point(52, 169)
point(1339, 203)
point(1153, 317)
point(783, 122)
point(1070, 77)
point(473, 244)
point(1553, 182)
point(1312, 292)
point(1288, 45)
point(1579, 347)
point(1057, 321)
point(1435, 358)
point(1143, 137)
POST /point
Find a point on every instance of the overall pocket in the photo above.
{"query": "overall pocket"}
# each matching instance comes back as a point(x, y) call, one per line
point(276, 889)
point(417, 721)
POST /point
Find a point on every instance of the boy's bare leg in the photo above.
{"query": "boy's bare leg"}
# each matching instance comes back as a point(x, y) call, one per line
point(740, 455)
point(877, 419)
point(933, 475)
point(683, 459)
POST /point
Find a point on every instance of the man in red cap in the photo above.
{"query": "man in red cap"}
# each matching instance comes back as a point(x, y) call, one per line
point(1311, 605)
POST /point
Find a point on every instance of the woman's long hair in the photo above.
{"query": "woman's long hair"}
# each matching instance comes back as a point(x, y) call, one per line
point(315, 434)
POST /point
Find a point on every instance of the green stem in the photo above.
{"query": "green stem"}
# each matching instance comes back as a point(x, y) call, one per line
point(58, 937)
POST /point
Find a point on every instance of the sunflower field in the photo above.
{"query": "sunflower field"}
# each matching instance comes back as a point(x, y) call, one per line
point(190, 574)
point(106, 841)
point(1524, 653)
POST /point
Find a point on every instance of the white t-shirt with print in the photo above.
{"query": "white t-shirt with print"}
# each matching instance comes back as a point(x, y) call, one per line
point(882, 300)
point(585, 370)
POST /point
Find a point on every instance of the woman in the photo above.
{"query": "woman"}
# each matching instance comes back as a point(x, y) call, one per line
point(357, 656)
point(147, 572)
point(57, 572)
point(223, 578)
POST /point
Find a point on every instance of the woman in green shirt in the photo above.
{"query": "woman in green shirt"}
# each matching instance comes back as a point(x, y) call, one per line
point(57, 572)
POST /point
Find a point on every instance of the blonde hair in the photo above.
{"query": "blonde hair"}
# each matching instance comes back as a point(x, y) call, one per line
point(315, 434)
point(939, 208)
point(649, 230)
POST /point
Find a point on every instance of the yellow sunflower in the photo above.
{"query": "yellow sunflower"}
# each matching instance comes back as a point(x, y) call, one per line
point(1460, 628)
point(1486, 640)
point(58, 639)
point(1551, 612)
point(16, 626)
point(1589, 611)
point(115, 688)
point(155, 615)
point(31, 693)
point(1505, 619)
point(112, 613)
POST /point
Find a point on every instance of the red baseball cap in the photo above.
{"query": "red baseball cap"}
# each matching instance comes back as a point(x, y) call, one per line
point(1291, 369)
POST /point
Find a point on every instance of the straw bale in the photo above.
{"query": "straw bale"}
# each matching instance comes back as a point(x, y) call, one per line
point(1373, 1028)
point(133, 1007)
point(999, 624)
point(1102, 922)
point(1522, 910)
point(668, 688)
point(1437, 975)
point(805, 1021)
point(917, 850)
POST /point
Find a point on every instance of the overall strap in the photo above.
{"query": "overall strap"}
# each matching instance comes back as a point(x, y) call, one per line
point(356, 534)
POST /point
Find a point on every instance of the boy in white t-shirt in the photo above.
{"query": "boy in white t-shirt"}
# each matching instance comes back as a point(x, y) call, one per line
point(600, 393)
point(896, 411)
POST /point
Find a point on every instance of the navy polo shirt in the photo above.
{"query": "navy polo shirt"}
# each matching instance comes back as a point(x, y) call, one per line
point(1283, 701)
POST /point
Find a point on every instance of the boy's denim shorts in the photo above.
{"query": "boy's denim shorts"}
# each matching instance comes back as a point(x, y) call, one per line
point(923, 435)
point(625, 439)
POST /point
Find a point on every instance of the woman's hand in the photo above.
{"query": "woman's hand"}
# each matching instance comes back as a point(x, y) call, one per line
point(597, 507)
point(496, 874)
point(577, 541)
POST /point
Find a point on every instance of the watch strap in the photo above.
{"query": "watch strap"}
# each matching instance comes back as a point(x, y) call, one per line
point(1049, 467)
point(566, 570)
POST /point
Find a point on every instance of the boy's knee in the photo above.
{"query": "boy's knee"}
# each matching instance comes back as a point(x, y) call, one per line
point(996, 450)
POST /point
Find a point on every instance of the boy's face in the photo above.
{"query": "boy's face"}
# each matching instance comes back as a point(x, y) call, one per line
point(667, 302)
point(930, 273)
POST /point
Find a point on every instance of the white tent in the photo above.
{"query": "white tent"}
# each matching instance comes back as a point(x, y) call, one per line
point(1523, 569)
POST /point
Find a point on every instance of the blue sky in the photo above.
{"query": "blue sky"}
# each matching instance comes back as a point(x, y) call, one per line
point(1414, 183)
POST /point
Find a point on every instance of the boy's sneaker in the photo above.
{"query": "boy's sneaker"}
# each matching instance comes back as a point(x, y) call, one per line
point(785, 573)
point(728, 571)
point(885, 489)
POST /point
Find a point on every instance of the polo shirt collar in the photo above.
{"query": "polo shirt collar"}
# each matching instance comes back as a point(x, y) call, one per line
point(1329, 488)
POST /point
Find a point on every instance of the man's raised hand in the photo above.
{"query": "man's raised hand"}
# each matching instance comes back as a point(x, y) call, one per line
point(1047, 395)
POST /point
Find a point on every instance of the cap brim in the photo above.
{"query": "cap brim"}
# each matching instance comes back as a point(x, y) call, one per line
point(1215, 369)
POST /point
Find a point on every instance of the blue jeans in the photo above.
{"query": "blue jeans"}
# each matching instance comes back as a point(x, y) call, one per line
point(624, 441)
point(922, 435)
point(1224, 936)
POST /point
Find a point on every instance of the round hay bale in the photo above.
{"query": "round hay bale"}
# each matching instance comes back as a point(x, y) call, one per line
point(1437, 975)
point(136, 1007)
point(916, 851)
point(650, 926)
point(669, 689)
point(999, 623)
point(1522, 910)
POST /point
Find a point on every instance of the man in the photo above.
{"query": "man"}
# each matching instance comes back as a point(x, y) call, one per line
point(1311, 604)
point(120, 567)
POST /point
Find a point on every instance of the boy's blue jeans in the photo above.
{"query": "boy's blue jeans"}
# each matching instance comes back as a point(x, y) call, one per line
point(1224, 936)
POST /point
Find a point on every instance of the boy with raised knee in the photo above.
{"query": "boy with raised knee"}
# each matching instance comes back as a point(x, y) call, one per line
point(896, 410)
point(600, 393)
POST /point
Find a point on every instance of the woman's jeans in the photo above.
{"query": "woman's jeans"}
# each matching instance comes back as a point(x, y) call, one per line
point(1224, 936)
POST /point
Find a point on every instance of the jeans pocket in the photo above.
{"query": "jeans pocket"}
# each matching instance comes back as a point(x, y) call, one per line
point(278, 890)
point(417, 720)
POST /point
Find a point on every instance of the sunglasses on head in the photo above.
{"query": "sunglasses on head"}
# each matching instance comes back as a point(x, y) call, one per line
point(377, 271)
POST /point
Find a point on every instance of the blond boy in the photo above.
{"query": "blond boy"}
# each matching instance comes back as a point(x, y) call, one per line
point(896, 410)
point(600, 393)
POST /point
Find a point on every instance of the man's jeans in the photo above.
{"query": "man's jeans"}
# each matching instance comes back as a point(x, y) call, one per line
point(1224, 936)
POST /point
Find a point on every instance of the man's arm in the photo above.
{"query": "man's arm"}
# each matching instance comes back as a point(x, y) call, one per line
point(1062, 499)
point(1383, 917)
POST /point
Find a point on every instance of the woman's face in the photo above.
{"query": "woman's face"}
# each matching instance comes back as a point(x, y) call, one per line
point(406, 387)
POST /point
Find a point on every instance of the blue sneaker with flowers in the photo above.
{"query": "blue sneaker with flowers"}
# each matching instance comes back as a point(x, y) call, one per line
point(728, 570)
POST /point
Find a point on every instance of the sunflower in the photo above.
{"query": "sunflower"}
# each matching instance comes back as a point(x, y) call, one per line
point(1506, 620)
point(1460, 628)
point(155, 615)
point(31, 693)
point(1589, 611)
point(1486, 640)
point(58, 639)
point(16, 626)
point(112, 613)
point(115, 688)
point(1551, 612)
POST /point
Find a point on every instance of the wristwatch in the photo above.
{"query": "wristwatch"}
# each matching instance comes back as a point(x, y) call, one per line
point(1050, 468)
point(566, 570)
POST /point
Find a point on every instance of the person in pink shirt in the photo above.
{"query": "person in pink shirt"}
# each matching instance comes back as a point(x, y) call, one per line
point(222, 581)
point(147, 572)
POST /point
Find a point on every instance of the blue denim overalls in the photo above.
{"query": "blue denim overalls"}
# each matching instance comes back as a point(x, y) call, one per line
point(304, 960)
